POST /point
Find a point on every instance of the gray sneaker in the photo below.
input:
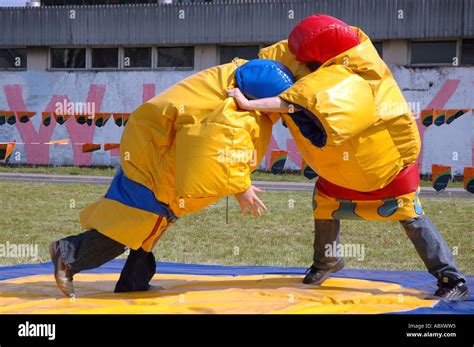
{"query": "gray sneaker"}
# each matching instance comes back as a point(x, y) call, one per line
point(62, 274)
point(456, 291)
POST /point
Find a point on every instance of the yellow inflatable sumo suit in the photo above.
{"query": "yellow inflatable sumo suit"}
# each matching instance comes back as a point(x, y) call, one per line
point(183, 150)
point(357, 132)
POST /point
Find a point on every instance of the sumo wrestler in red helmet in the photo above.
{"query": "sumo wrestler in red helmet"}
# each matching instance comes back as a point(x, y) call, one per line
point(353, 126)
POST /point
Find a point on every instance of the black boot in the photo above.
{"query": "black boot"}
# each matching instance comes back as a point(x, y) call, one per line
point(318, 276)
point(326, 232)
point(138, 271)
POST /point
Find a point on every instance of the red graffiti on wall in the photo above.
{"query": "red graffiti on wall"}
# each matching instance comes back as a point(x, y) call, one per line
point(35, 141)
point(441, 98)
point(80, 134)
point(149, 91)
point(273, 145)
point(293, 152)
point(36, 151)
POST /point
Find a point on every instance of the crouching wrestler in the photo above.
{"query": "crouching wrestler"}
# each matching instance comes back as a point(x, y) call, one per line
point(181, 151)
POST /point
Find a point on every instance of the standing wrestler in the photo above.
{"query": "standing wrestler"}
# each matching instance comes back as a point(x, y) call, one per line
point(355, 129)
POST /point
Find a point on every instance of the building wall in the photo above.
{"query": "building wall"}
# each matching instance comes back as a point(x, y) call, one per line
point(229, 22)
point(38, 91)
point(442, 88)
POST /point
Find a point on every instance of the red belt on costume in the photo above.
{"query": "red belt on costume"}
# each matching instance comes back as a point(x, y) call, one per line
point(407, 181)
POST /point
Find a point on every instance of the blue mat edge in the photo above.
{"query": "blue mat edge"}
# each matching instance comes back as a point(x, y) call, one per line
point(420, 280)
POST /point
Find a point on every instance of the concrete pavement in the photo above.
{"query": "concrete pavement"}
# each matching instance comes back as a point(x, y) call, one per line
point(426, 192)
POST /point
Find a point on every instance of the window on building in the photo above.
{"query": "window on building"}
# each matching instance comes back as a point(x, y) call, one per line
point(105, 58)
point(190, 1)
point(68, 58)
point(467, 54)
point(103, 2)
point(433, 52)
point(227, 53)
point(379, 47)
point(137, 57)
point(12, 58)
point(92, 2)
point(176, 57)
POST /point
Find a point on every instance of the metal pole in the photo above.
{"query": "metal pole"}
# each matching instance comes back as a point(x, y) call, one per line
point(226, 210)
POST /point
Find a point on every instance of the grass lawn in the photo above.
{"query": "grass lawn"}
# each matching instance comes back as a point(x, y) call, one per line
point(39, 213)
point(59, 170)
point(109, 171)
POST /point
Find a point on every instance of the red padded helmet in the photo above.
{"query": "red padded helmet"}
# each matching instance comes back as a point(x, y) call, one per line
point(319, 38)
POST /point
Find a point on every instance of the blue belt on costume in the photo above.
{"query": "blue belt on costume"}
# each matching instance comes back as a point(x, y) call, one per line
point(133, 194)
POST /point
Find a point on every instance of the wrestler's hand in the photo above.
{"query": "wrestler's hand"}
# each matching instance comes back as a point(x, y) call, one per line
point(249, 200)
point(239, 97)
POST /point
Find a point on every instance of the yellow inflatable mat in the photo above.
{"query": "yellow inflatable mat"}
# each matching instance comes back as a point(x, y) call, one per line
point(209, 289)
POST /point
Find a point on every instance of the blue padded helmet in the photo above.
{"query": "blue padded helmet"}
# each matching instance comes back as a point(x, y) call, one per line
point(263, 78)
